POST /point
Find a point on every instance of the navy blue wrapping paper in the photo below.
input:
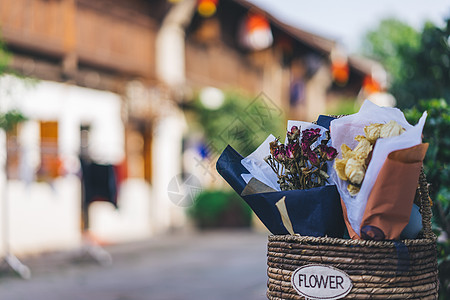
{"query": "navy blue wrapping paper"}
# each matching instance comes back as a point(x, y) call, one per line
point(230, 168)
point(325, 121)
point(313, 212)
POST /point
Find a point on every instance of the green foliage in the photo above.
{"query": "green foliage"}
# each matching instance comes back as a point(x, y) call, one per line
point(437, 170)
point(430, 65)
point(418, 63)
point(345, 107)
point(216, 208)
point(10, 119)
point(436, 133)
point(4, 57)
point(391, 43)
point(242, 122)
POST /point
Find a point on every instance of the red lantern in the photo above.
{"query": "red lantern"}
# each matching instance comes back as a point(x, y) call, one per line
point(257, 22)
point(255, 33)
point(371, 86)
point(340, 72)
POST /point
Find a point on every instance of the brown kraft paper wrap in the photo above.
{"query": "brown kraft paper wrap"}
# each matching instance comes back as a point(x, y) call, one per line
point(353, 235)
point(390, 202)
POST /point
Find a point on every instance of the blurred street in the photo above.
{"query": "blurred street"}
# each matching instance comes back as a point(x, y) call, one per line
point(212, 265)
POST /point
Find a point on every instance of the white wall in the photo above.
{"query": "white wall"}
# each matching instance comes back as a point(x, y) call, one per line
point(46, 216)
point(72, 106)
point(167, 161)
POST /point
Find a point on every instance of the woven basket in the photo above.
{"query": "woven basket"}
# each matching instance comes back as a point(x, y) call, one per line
point(405, 269)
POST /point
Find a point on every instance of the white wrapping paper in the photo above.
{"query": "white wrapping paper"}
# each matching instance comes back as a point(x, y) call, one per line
point(261, 170)
point(344, 130)
point(258, 168)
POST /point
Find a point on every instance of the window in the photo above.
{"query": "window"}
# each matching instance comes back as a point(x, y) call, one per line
point(148, 154)
point(13, 153)
point(139, 151)
point(50, 163)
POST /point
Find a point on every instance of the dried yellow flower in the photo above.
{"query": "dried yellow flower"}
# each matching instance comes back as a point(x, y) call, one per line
point(353, 189)
point(391, 129)
point(362, 150)
point(346, 151)
point(372, 132)
point(352, 167)
point(355, 170)
point(339, 166)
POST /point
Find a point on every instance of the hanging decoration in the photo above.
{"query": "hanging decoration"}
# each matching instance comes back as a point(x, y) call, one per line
point(340, 73)
point(207, 8)
point(255, 32)
point(339, 66)
point(371, 85)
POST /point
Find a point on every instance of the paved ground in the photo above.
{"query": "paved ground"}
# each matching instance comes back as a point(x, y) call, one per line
point(213, 265)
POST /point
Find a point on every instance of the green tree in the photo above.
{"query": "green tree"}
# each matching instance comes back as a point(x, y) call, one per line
point(4, 57)
point(418, 63)
point(437, 169)
point(242, 122)
point(419, 66)
point(392, 43)
point(8, 119)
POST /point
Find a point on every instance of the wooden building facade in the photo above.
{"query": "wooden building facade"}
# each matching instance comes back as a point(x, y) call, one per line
point(148, 56)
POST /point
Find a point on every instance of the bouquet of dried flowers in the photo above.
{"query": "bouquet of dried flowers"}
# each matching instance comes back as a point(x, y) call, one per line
point(378, 171)
point(286, 184)
point(301, 163)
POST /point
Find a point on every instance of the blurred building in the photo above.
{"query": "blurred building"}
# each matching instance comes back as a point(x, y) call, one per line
point(112, 76)
point(242, 46)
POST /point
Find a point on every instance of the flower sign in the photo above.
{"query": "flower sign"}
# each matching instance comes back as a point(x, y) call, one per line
point(321, 282)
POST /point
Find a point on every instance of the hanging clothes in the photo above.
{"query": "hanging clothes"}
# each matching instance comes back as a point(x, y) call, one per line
point(99, 181)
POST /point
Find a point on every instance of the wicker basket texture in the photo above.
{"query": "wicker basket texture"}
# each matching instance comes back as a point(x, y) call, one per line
point(405, 269)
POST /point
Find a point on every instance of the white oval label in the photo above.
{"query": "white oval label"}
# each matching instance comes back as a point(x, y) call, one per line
point(321, 282)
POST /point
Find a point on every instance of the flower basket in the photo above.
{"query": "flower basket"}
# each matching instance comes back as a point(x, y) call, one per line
point(403, 269)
